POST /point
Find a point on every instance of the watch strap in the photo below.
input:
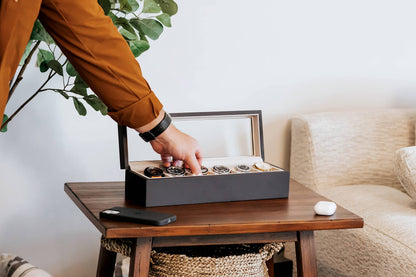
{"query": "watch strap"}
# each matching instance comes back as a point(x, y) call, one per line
point(157, 130)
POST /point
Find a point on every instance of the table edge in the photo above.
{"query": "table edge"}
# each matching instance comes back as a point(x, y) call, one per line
point(97, 223)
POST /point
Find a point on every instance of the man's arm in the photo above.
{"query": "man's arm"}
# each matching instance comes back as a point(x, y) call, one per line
point(102, 57)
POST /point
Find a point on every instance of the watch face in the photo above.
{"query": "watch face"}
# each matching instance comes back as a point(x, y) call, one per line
point(263, 166)
point(153, 172)
point(175, 171)
point(242, 168)
point(221, 169)
point(204, 170)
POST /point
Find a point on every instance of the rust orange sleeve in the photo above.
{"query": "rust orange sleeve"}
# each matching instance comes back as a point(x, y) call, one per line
point(16, 23)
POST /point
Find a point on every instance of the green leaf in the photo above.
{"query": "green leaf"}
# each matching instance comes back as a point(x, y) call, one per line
point(79, 82)
point(71, 70)
point(79, 107)
point(124, 23)
point(106, 5)
point(125, 6)
point(138, 47)
point(128, 35)
point(120, 20)
point(79, 90)
point(113, 18)
point(56, 66)
point(93, 101)
point(39, 33)
point(165, 19)
point(96, 103)
point(150, 27)
point(44, 66)
point(168, 6)
point(127, 26)
point(143, 36)
point(134, 5)
point(104, 109)
point(5, 118)
point(150, 6)
point(44, 56)
point(61, 92)
point(26, 53)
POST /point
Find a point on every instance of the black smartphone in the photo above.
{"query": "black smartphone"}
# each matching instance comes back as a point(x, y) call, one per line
point(138, 216)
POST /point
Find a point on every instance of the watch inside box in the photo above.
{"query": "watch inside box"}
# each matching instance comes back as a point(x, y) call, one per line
point(211, 166)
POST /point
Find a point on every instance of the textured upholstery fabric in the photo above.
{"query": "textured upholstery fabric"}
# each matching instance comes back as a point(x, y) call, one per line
point(349, 157)
point(405, 168)
point(347, 148)
point(14, 266)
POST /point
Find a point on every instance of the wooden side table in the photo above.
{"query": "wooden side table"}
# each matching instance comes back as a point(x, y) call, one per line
point(259, 221)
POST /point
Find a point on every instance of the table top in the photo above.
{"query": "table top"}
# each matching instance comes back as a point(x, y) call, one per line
point(256, 216)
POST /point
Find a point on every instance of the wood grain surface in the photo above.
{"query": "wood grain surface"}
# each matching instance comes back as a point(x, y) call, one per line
point(259, 216)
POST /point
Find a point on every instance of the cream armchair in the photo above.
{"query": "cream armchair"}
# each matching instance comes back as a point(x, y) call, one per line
point(349, 157)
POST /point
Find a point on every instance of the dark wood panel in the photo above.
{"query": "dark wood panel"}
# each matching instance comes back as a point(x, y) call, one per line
point(259, 216)
point(140, 258)
point(306, 255)
point(270, 267)
point(106, 262)
point(224, 239)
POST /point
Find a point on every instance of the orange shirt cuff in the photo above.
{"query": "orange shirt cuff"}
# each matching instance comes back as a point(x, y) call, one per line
point(139, 113)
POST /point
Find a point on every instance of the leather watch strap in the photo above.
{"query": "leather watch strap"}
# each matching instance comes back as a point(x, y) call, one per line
point(156, 131)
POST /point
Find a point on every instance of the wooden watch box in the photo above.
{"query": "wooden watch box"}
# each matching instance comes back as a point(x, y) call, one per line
point(259, 180)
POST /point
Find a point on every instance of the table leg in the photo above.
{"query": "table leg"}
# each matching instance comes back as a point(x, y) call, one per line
point(270, 267)
point(305, 254)
point(140, 258)
point(106, 263)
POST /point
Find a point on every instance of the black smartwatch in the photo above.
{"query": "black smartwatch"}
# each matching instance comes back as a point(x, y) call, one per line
point(156, 131)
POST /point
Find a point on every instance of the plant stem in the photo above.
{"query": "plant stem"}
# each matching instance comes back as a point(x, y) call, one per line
point(63, 76)
point(51, 75)
point(22, 70)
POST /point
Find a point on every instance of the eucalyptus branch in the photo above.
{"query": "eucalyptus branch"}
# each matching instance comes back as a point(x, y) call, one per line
point(118, 10)
point(56, 90)
point(50, 49)
point(61, 56)
point(63, 76)
point(51, 75)
point(67, 82)
point(22, 70)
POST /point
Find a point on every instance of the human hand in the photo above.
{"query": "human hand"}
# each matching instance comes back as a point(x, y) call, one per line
point(175, 146)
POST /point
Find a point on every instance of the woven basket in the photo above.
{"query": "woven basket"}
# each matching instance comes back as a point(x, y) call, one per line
point(230, 260)
point(209, 261)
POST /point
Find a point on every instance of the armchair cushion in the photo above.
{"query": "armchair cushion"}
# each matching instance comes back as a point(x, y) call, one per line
point(405, 168)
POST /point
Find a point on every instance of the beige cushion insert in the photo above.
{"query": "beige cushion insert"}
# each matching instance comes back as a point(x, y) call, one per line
point(405, 168)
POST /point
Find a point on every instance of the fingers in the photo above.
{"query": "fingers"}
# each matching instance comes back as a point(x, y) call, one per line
point(177, 163)
point(198, 156)
point(166, 159)
point(178, 149)
point(194, 165)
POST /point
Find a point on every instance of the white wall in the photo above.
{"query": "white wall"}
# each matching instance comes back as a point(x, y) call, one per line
point(282, 57)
